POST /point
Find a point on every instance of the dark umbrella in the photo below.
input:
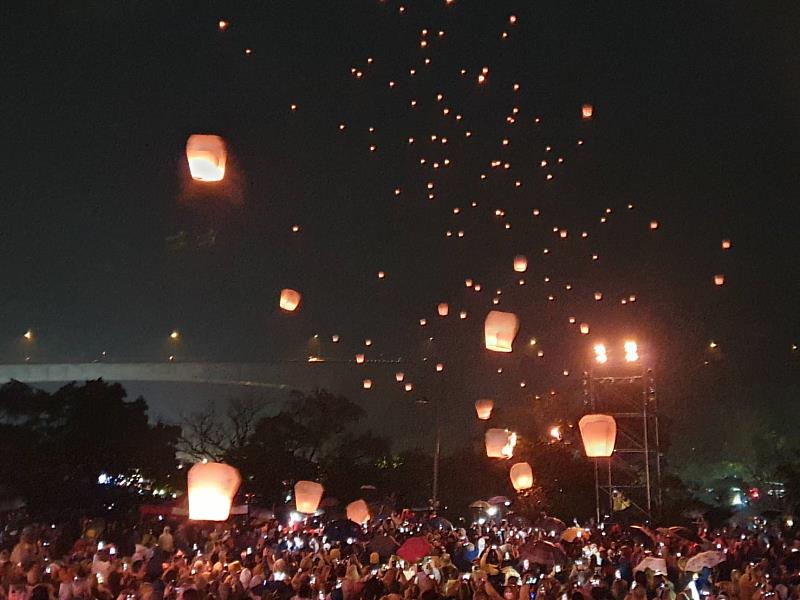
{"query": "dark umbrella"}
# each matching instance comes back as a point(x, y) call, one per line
point(441, 523)
point(341, 530)
point(384, 545)
point(542, 552)
point(642, 535)
point(550, 525)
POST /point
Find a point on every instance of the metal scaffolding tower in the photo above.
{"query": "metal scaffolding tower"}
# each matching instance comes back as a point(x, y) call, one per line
point(632, 477)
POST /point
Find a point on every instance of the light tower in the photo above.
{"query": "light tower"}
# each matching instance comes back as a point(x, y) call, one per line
point(620, 383)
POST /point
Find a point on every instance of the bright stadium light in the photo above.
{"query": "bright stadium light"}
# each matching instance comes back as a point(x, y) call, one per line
point(631, 351)
point(600, 353)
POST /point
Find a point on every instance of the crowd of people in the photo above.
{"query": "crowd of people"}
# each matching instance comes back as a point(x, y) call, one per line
point(400, 557)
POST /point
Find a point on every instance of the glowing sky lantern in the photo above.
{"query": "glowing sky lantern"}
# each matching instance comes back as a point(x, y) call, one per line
point(307, 495)
point(500, 329)
point(521, 476)
point(654, 224)
point(211, 488)
point(500, 443)
point(726, 244)
point(484, 408)
point(290, 299)
point(599, 434)
point(207, 156)
point(587, 110)
point(399, 376)
point(443, 309)
point(520, 263)
point(584, 328)
point(719, 279)
point(358, 512)
point(359, 359)
point(367, 384)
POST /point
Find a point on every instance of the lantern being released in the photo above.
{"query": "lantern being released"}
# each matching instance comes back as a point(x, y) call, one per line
point(520, 263)
point(500, 443)
point(484, 408)
point(307, 495)
point(290, 299)
point(500, 329)
point(521, 476)
point(207, 157)
point(212, 487)
point(358, 512)
point(443, 309)
point(599, 434)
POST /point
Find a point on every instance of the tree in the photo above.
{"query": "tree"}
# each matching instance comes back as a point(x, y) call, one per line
point(56, 445)
point(208, 435)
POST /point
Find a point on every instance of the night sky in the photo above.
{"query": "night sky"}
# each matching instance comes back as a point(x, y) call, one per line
point(106, 243)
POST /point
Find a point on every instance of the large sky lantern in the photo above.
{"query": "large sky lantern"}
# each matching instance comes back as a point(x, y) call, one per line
point(307, 496)
point(500, 329)
point(599, 434)
point(207, 156)
point(443, 309)
point(521, 476)
point(358, 512)
point(500, 443)
point(520, 263)
point(211, 488)
point(290, 299)
point(484, 408)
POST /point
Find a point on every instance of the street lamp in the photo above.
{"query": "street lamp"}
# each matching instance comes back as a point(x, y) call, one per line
point(600, 353)
point(631, 351)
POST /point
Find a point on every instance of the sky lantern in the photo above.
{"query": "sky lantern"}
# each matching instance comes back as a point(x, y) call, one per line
point(399, 376)
point(207, 156)
point(584, 328)
point(521, 476)
point(599, 434)
point(500, 329)
point(719, 279)
point(408, 387)
point(290, 299)
point(367, 384)
point(726, 244)
point(462, 314)
point(484, 408)
point(359, 359)
point(653, 224)
point(520, 263)
point(307, 495)
point(211, 488)
point(587, 110)
point(358, 512)
point(500, 443)
point(443, 309)
point(598, 295)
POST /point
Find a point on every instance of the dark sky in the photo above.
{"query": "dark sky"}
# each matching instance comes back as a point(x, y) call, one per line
point(696, 124)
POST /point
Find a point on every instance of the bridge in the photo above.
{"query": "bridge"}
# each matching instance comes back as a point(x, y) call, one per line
point(291, 375)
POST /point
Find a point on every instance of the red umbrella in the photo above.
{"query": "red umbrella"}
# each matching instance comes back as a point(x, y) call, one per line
point(414, 549)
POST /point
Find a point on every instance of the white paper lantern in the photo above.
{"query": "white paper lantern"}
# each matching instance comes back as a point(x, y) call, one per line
point(520, 263)
point(307, 496)
point(484, 408)
point(599, 434)
point(500, 329)
point(207, 156)
point(290, 299)
point(521, 476)
point(211, 488)
point(358, 512)
point(500, 443)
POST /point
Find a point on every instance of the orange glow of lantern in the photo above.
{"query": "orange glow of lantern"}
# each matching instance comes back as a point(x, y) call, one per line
point(653, 224)
point(584, 328)
point(408, 387)
point(600, 354)
point(599, 434)
point(307, 495)
point(359, 358)
point(726, 244)
point(587, 110)
point(500, 443)
point(290, 299)
point(399, 376)
point(443, 309)
point(358, 512)
point(598, 295)
point(520, 263)
point(462, 314)
point(719, 279)
point(207, 156)
point(439, 367)
point(500, 329)
point(484, 408)
point(367, 384)
point(521, 476)
point(211, 488)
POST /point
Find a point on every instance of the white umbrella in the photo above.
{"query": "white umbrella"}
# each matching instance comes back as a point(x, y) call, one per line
point(659, 565)
point(705, 559)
